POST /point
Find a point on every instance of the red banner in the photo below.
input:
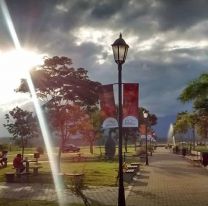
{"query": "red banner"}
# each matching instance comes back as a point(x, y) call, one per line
point(108, 107)
point(130, 105)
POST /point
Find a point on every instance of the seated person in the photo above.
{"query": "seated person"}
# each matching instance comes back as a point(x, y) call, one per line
point(3, 160)
point(18, 163)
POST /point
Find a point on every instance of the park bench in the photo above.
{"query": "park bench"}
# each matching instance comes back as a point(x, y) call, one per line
point(11, 176)
point(70, 175)
point(130, 171)
point(133, 167)
point(137, 164)
point(128, 175)
point(74, 176)
point(194, 157)
point(35, 169)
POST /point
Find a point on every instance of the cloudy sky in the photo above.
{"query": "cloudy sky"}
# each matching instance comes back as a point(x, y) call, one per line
point(168, 42)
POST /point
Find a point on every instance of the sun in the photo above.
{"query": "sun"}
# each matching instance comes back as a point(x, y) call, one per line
point(14, 66)
point(19, 61)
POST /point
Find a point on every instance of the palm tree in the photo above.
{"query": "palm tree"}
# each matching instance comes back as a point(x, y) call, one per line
point(197, 92)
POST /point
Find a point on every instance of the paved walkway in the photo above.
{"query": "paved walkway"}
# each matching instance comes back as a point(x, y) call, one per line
point(170, 180)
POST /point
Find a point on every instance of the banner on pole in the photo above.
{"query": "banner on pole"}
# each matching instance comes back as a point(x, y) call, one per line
point(108, 107)
point(130, 104)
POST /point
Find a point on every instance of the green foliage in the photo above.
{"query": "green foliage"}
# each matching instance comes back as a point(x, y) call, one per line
point(22, 125)
point(182, 124)
point(68, 93)
point(63, 83)
point(151, 118)
point(196, 89)
point(90, 128)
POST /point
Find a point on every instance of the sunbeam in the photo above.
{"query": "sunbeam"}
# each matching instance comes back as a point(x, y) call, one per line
point(44, 128)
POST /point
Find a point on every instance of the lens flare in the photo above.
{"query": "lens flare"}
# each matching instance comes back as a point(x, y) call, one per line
point(44, 128)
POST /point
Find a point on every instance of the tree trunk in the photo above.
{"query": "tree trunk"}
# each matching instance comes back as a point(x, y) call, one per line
point(23, 147)
point(59, 160)
point(135, 143)
point(125, 138)
point(91, 147)
point(100, 150)
point(125, 144)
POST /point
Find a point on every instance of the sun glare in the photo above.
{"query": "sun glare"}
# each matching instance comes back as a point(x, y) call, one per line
point(19, 61)
point(14, 65)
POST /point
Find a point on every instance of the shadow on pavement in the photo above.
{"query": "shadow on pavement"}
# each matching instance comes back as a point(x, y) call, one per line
point(145, 172)
point(144, 194)
point(138, 182)
point(143, 177)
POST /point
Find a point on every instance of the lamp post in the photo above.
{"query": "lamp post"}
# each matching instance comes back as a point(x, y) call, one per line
point(145, 117)
point(120, 49)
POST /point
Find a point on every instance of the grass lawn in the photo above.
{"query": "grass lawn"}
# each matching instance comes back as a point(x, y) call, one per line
point(202, 148)
point(97, 171)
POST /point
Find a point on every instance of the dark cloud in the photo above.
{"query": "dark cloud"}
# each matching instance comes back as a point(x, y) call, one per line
point(180, 14)
point(106, 9)
point(31, 18)
point(165, 54)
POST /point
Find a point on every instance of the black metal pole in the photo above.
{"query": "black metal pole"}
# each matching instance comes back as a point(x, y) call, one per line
point(121, 195)
point(147, 162)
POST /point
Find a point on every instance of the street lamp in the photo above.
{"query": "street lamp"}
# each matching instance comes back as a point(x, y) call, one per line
point(120, 49)
point(145, 117)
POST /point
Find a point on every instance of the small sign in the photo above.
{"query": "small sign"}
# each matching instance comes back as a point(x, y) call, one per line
point(130, 121)
point(110, 122)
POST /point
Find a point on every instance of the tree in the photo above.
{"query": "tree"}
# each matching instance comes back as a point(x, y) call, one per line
point(21, 124)
point(93, 125)
point(202, 128)
point(130, 133)
point(181, 125)
point(152, 118)
point(68, 93)
point(196, 91)
point(186, 121)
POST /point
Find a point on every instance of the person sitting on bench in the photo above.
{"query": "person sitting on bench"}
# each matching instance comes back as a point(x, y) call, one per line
point(18, 163)
point(3, 160)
